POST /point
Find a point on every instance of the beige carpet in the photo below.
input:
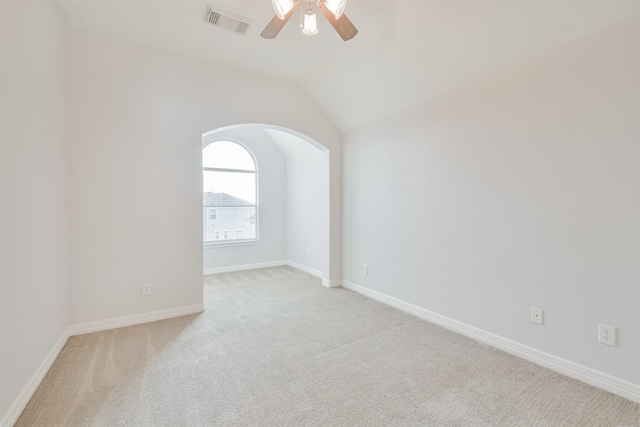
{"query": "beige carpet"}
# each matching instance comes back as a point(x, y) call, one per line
point(275, 348)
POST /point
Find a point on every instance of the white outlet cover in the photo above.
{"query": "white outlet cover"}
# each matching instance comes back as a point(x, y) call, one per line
point(146, 289)
point(607, 334)
point(536, 315)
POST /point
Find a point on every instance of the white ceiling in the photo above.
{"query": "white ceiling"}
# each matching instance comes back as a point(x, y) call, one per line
point(405, 52)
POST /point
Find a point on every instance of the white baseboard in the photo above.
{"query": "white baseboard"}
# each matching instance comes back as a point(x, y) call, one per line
point(120, 322)
point(326, 283)
point(304, 268)
point(27, 392)
point(21, 402)
point(331, 283)
point(574, 370)
point(243, 267)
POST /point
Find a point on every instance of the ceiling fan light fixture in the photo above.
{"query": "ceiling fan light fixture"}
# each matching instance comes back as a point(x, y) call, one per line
point(282, 7)
point(343, 26)
point(310, 27)
point(336, 7)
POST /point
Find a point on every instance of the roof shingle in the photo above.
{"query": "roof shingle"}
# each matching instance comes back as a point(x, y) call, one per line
point(223, 200)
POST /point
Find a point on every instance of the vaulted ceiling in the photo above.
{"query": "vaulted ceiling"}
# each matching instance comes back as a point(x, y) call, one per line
point(406, 51)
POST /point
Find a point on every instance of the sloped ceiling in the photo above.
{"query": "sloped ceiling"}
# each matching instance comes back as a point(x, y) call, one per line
point(406, 51)
point(290, 145)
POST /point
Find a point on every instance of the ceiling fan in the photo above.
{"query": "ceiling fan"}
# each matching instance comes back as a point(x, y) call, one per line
point(333, 10)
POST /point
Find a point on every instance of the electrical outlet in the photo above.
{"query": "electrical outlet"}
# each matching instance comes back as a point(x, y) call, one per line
point(606, 334)
point(146, 289)
point(229, 256)
point(536, 315)
point(308, 253)
point(365, 269)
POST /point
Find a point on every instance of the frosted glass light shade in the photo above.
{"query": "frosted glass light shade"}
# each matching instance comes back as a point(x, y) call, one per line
point(336, 6)
point(310, 27)
point(281, 7)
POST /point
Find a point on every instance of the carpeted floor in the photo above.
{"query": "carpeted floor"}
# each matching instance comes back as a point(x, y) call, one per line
point(275, 348)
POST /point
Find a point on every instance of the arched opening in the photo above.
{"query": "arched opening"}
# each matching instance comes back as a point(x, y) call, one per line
point(291, 206)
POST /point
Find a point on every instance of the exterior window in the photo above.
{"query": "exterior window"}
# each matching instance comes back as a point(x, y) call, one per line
point(230, 188)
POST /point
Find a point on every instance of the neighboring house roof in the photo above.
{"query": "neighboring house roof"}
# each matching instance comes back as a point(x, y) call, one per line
point(223, 200)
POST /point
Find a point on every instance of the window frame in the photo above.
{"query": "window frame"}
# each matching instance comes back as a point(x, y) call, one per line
point(230, 241)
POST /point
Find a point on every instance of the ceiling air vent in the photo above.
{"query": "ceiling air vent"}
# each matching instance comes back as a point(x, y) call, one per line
point(228, 20)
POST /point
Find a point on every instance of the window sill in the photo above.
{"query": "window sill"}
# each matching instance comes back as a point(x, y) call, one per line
point(227, 243)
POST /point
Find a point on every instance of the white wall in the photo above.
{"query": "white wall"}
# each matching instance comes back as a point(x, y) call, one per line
point(272, 212)
point(34, 270)
point(138, 119)
point(306, 187)
point(518, 190)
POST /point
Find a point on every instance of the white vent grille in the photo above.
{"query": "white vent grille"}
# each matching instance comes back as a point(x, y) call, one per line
point(228, 20)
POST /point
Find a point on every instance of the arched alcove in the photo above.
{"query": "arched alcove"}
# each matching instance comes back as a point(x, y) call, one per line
point(302, 204)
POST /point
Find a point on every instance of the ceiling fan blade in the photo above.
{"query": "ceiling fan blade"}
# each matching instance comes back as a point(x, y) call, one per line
point(343, 26)
point(275, 25)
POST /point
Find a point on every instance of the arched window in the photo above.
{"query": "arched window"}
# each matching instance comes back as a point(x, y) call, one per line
point(230, 184)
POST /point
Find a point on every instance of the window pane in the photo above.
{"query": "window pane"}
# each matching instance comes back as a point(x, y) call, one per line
point(229, 198)
point(227, 155)
point(241, 186)
point(231, 223)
